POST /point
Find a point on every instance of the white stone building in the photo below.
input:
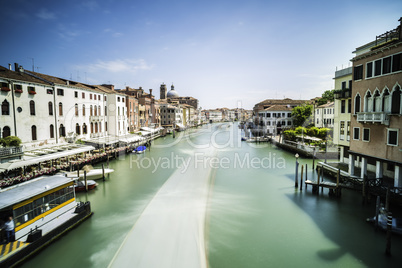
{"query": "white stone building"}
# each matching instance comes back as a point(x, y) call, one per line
point(324, 115)
point(42, 109)
point(274, 119)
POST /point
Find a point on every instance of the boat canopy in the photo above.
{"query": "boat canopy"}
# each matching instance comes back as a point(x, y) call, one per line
point(26, 190)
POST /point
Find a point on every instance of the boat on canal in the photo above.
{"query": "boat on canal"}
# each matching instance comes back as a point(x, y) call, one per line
point(140, 149)
point(383, 219)
point(42, 209)
point(80, 185)
point(92, 173)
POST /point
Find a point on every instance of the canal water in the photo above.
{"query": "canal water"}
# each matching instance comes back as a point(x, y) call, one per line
point(239, 209)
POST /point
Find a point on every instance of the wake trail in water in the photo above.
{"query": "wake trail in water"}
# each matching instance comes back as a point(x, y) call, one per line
point(170, 231)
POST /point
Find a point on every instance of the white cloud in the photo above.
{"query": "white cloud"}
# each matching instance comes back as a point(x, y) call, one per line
point(44, 14)
point(91, 5)
point(117, 66)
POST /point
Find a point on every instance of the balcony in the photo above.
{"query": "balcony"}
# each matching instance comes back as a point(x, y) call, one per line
point(342, 93)
point(11, 152)
point(96, 118)
point(373, 117)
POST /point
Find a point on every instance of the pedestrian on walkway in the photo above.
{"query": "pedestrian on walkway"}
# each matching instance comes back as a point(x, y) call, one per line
point(10, 232)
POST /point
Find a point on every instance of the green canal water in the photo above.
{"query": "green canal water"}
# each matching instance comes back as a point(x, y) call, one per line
point(254, 216)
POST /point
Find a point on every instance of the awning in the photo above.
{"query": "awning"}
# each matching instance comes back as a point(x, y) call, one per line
point(148, 129)
point(179, 125)
point(130, 138)
point(23, 191)
point(33, 160)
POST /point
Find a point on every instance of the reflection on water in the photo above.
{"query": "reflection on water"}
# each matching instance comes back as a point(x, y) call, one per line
point(254, 215)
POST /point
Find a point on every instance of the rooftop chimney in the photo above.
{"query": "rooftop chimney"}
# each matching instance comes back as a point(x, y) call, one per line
point(109, 86)
point(9, 67)
point(150, 91)
point(15, 67)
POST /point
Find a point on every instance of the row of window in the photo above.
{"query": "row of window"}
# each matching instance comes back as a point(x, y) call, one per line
point(380, 102)
point(383, 66)
point(326, 111)
point(93, 110)
point(326, 121)
point(392, 135)
point(39, 206)
point(276, 115)
point(95, 128)
point(95, 96)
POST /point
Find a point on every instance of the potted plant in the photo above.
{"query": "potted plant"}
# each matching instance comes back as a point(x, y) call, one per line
point(5, 89)
point(32, 92)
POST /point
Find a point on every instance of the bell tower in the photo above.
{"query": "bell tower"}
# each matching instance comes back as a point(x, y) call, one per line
point(163, 91)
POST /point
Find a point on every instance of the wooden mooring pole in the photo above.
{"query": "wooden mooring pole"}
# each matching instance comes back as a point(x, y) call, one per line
point(377, 211)
point(85, 179)
point(301, 178)
point(296, 173)
point(103, 171)
point(389, 231)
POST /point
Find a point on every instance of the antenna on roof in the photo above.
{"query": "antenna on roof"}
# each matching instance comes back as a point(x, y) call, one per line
point(33, 64)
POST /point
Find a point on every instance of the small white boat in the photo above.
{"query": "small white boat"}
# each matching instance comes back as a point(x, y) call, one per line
point(80, 185)
point(92, 174)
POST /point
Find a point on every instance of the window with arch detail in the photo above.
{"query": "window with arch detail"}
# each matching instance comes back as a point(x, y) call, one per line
point(32, 107)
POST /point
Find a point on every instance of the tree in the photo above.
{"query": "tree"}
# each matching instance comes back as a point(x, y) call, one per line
point(10, 141)
point(301, 115)
point(327, 96)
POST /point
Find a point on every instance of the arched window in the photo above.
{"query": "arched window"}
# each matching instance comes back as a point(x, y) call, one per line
point(100, 127)
point(396, 100)
point(105, 126)
point(83, 110)
point(62, 131)
point(50, 105)
point(84, 129)
point(99, 110)
point(33, 132)
point(386, 101)
point(377, 101)
point(51, 128)
point(76, 109)
point(368, 102)
point(105, 110)
point(32, 107)
point(92, 127)
point(96, 127)
point(118, 110)
point(6, 132)
point(5, 108)
point(90, 110)
point(60, 108)
point(95, 111)
point(77, 129)
point(357, 103)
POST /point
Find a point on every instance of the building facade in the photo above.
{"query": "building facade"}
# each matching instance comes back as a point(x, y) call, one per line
point(376, 108)
point(343, 109)
point(324, 115)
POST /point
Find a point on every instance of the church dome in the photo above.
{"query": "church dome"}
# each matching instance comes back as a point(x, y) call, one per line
point(172, 93)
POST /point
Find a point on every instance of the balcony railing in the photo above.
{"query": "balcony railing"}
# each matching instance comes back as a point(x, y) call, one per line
point(96, 118)
point(10, 151)
point(373, 117)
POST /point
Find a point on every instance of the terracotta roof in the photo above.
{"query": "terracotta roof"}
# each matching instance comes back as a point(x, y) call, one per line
point(329, 104)
point(9, 74)
point(279, 108)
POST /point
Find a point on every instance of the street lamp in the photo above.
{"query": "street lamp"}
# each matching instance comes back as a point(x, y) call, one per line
point(297, 169)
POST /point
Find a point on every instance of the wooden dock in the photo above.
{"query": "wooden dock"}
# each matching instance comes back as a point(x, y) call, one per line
point(334, 187)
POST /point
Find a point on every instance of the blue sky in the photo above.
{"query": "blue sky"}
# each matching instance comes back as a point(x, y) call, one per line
point(221, 52)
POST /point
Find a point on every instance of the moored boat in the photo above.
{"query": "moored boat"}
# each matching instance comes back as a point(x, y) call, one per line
point(92, 174)
point(383, 219)
point(80, 185)
point(140, 149)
